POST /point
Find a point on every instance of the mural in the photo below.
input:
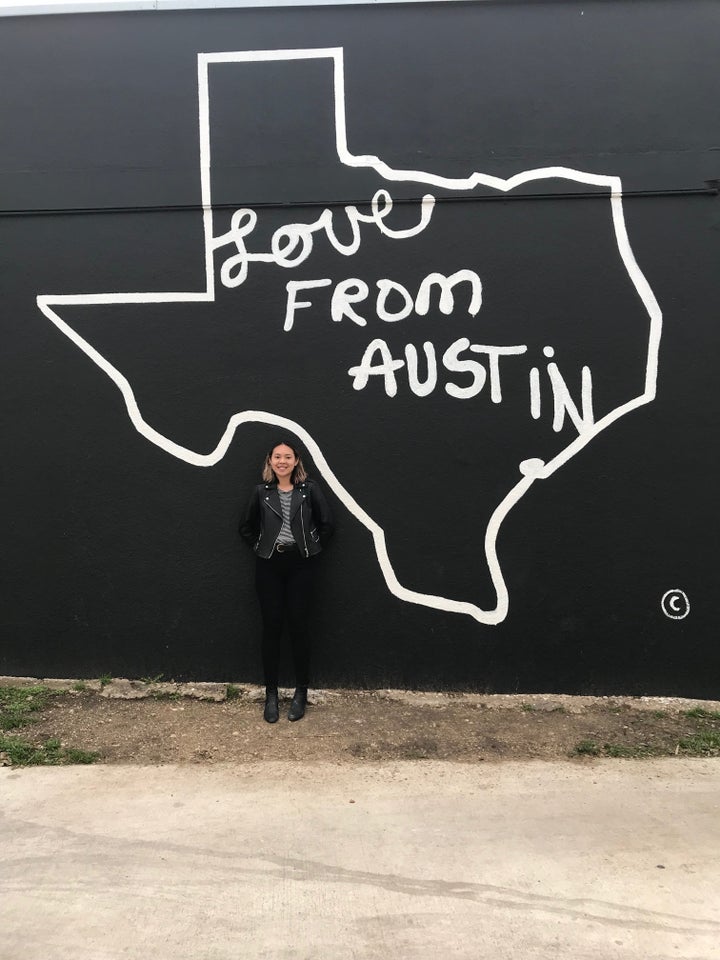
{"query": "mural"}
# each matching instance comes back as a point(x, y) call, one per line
point(465, 252)
point(464, 369)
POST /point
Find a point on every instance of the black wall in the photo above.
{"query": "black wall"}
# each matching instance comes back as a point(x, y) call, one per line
point(119, 557)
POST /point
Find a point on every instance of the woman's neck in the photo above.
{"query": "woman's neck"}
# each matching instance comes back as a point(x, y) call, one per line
point(285, 485)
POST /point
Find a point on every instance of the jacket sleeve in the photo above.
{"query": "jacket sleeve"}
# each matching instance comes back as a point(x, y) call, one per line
point(249, 527)
point(322, 514)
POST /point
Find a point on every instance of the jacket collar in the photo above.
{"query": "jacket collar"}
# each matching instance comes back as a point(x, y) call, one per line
point(295, 501)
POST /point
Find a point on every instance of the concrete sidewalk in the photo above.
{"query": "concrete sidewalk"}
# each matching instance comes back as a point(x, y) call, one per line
point(610, 859)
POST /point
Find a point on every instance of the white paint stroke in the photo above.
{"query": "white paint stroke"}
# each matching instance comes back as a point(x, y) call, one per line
point(531, 470)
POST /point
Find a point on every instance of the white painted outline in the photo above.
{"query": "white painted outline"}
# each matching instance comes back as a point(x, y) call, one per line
point(532, 470)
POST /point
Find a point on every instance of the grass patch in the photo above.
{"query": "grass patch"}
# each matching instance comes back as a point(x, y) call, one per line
point(232, 692)
point(636, 751)
point(705, 743)
point(700, 713)
point(105, 679)
point(617, 751)
point(165, 695)
point(18, 704)
point(149, 680)
point(80, 686)
point(20, 753)
point(527, 707)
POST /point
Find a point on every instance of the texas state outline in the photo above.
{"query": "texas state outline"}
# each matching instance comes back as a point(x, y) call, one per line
point(531, 470)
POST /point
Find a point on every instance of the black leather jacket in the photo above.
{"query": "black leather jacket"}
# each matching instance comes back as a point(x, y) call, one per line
point(310, 519)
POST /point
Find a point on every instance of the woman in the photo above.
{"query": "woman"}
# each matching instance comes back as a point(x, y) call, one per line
point(286, 522)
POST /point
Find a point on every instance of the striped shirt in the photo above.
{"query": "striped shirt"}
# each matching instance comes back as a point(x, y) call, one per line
point(285, 535)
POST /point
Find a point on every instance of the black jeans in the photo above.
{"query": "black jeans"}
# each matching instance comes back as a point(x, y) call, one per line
point(284, 585)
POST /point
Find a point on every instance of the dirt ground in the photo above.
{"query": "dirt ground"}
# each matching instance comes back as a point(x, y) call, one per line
point(132, 722)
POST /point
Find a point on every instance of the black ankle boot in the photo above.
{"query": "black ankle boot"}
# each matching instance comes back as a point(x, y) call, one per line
point(299, 702)
point(272, 711)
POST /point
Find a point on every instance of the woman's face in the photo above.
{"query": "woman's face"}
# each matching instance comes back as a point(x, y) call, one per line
point(283, 461)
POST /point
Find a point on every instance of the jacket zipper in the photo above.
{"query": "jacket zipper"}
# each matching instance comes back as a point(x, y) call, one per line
point(302, 524)
point(271, 507)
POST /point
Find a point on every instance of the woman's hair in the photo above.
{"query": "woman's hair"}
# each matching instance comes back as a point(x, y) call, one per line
point(299, 472)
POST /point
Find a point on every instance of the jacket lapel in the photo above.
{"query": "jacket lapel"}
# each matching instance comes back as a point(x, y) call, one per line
point(295, 501)
point(273, 501)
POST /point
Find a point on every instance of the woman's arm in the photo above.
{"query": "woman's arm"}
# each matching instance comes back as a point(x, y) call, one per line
point(322, 514)
point(249, 527)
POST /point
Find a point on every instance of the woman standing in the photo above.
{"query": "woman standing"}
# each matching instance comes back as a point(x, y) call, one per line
point(286, 523)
